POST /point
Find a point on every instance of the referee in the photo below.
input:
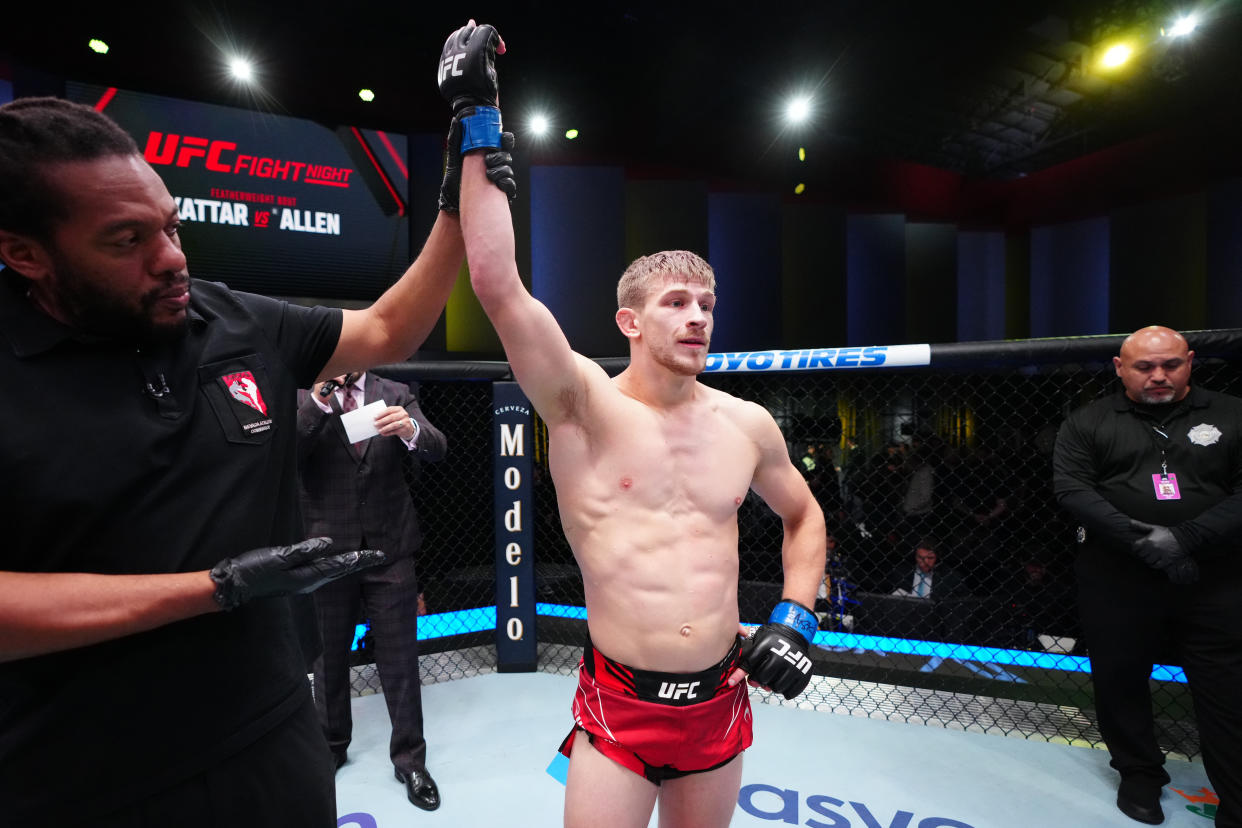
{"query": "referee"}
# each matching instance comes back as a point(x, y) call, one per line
point(1153, 475)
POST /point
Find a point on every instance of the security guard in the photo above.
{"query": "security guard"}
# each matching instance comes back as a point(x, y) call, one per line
point(1154, 477)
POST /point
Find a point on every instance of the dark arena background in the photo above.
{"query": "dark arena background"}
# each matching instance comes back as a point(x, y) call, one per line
point(920, 280)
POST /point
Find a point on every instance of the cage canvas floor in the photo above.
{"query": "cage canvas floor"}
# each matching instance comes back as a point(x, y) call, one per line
point(492, 743)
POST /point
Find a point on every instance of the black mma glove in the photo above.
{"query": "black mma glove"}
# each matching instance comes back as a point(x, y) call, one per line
point(499, 164)
point(1160, 549)
point(777, 655)
point(467, 72)
point(273, 571)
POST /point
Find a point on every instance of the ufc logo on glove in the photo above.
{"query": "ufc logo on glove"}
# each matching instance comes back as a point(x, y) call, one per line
point(794, 657)
point(449, 67)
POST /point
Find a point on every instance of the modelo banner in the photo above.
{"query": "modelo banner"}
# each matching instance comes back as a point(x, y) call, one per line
point(272, 204)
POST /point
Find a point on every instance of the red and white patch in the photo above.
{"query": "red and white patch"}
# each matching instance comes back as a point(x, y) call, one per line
point(244, 389)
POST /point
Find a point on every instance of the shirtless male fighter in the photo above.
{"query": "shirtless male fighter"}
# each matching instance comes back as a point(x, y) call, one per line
point(650, 468)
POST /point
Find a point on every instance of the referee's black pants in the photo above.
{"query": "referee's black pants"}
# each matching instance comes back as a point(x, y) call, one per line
point(1128, 611)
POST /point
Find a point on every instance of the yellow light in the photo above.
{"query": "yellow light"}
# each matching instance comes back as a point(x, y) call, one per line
point(98, 46)
point(1116, 55)
point(800, 189)
point(571, 134)
point(801, 153)
point(366, 94)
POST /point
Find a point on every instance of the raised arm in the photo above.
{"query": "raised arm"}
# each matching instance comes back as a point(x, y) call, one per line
point(395, 326)
point(551, 374)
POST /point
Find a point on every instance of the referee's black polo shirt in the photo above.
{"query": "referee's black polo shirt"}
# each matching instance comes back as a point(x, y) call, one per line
point(1107, 452)
point(119, 459)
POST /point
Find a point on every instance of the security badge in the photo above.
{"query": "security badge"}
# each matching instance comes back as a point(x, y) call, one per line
point(1165, 483)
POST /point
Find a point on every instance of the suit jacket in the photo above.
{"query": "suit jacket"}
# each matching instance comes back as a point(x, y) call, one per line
point(945, 583)
point(348, 497)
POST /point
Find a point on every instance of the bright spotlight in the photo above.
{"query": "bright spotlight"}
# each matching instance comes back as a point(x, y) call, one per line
point(366, 94)
point(798, 109)
point(97, 46)
point(801, 153)
point(539, 125)
point(571, 134)
point(1116, 55)
point(1184, 26)
point(800, 189)
point(241, 69)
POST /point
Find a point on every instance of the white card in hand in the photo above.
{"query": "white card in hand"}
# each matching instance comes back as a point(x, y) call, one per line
point(360, 423)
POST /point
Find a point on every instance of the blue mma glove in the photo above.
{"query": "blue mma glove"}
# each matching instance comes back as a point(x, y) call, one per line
point(777, 655)
point(499, 163)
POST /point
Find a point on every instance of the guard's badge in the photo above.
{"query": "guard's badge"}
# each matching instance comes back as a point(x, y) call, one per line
point(1204, 434)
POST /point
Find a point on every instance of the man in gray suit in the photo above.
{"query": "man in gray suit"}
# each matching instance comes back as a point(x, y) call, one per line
point(357, 494)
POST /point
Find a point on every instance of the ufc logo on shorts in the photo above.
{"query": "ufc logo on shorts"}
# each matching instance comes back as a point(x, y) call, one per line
point(449, 66)
point(672, 690)
point(794, 657)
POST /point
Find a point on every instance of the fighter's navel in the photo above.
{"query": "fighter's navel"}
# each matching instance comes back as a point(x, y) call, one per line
point(685, 631)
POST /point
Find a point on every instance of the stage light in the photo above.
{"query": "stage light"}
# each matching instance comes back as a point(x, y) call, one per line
point(366, 94)
point(800, 189)
point(571, 134)
point(241, 69)
point(798, 109)
point(1116, 55)
point(98, 46)
point(801, 153)
point(1183, 26)
point(539, 125)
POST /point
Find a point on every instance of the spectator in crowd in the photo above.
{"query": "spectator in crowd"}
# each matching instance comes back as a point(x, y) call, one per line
point(1037, 603)
point(925, 578)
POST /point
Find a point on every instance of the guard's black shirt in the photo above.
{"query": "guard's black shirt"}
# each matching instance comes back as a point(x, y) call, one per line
point(126, 459)
point(1107, 452)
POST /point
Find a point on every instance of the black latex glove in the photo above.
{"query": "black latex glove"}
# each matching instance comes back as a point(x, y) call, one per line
point(286, 570)
point(1159, 549)
point(499, 164)
point(450, 187)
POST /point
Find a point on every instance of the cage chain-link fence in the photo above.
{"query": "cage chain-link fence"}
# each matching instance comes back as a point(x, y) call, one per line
point(953, 465)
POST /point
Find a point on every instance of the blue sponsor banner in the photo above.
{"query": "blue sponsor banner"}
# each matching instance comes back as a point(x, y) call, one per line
point(819, 359)
point(512, 439)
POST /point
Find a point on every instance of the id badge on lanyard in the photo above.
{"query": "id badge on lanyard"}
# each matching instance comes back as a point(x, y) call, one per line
point(1165, 483)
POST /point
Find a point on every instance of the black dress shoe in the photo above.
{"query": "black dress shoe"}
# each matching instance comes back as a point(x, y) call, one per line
point(1140, 801)
point(420, 788)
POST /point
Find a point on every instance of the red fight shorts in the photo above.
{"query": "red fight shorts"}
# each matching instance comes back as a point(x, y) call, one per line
point(661, 725)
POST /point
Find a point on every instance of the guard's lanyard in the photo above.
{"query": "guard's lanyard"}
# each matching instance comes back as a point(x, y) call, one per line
point(1164, 457)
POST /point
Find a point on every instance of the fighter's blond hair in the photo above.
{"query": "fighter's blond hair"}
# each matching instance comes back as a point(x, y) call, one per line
point(645, 272)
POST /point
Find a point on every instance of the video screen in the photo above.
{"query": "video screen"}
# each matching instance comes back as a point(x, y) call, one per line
point(273, 204)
